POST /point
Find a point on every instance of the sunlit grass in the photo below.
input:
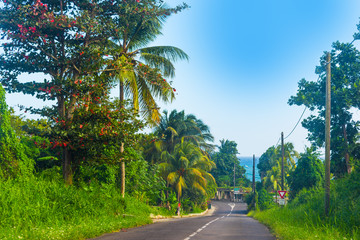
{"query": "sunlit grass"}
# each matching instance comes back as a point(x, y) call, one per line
point(304, 217)
point(290, 224)
point(39, 209)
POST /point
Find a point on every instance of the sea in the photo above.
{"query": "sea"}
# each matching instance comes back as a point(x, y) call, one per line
point(247, 163)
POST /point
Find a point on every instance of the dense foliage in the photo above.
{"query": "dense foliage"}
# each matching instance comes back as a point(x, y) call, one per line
point(80, 48)
point(270, 164)
point(13, 160)
point(309, 172)
point(226, 163)
point(304, 218)
point(345, 97)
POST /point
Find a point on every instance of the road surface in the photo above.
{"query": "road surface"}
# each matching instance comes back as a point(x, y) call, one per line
point(229, 221)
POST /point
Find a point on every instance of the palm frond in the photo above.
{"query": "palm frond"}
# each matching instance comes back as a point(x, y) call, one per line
point(159, 62)
point(169, 52)
point(128, 77)
point(180, 185)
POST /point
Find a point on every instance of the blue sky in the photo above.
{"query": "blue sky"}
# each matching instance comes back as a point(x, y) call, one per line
point(246, 58)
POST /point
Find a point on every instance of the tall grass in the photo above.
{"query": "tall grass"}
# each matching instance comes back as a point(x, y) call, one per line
point(42, 209)
point(304, 217)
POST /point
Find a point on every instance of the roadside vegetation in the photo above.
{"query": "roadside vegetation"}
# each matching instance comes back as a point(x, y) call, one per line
point(304, 216)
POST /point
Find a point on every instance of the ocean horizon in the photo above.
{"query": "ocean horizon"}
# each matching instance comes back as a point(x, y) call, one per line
point(247, 163)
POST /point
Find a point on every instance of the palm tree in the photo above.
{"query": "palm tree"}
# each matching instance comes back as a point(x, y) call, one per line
point(272, 180)
point(186, 167)
point(176, 126)
point(141, 70)
point(172, 129)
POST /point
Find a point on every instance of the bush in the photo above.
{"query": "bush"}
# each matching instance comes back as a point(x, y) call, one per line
point(144, 182)
point(265, 200)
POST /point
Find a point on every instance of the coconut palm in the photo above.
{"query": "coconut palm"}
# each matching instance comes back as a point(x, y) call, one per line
point(172, 129)
point(141, 70)
point(272, 180)
point(176, 126)
point(186, 167)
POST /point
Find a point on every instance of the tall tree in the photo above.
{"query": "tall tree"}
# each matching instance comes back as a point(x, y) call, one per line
point(225, 161)
point(176, 127)
point(272, 157)
point(345, 88)
point(270, 165)
point(186, 167)
point(308, 173)
point(139, 69)
point(62, 40)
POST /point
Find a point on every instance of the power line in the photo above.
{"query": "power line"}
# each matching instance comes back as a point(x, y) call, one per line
point(277, 143)
point(296, 123)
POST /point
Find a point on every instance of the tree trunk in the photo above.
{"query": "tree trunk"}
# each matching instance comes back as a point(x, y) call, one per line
point(179, 205)
point(347, 157)
point(67, 160)
point(122, 169)
point(67, 168)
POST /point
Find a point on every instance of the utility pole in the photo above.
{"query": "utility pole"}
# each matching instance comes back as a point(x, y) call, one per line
point(282, 161)
point(254, 174)
point(254, 185)
point(327, 133)
point(234, 181)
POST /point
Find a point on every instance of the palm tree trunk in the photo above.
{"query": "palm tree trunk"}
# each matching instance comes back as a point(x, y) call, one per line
point(179, 205)
point(122, 168)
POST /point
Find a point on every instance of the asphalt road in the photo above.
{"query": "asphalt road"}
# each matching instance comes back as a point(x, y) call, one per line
point(228, 221)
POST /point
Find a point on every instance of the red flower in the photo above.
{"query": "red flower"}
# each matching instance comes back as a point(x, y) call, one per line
point(81, 125)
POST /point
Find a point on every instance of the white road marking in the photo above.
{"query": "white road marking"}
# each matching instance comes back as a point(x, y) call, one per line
point(200, 229)
point(232, 205)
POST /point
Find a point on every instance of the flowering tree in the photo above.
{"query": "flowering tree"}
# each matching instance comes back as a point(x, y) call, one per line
point(64, 40)
point(69, 42)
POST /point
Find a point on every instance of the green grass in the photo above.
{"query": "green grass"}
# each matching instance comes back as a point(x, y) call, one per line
point(287, 224)
point(41, 209)
point(304, 217)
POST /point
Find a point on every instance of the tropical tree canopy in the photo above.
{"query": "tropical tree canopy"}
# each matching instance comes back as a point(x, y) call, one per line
point(270, 166)
point(175, 128)
point(186, 167)
point(308, 173)
point(345, 96)
point(225, 161)
point(140, 69)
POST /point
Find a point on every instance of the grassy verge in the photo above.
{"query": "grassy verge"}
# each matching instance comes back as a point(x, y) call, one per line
point(39, 209)
point(304, 217)
point(287, 224)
